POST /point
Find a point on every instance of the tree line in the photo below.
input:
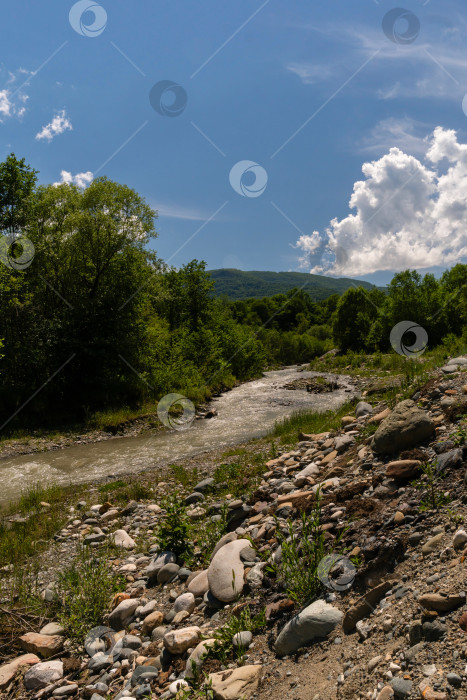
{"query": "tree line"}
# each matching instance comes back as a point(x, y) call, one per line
point(96, 320)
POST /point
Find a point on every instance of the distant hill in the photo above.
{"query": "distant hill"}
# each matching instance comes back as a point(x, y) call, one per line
point(240, 284)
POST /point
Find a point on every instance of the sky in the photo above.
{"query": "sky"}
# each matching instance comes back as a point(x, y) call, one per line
point(316, 137)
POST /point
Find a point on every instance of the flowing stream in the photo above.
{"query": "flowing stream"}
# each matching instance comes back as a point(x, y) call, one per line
point(247, 411)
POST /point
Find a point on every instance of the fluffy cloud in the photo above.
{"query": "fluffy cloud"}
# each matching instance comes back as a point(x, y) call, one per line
point(58, 125)
point(10, 107)
point(407, 214)
point(80, 179)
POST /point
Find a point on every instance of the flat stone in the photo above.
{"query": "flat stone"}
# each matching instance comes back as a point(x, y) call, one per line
point(232, 684)
point(53, 628)
point(43, 644)
point(378, 418)
point(315, 621)
point(205, 485)
point(8, 671)
point(403, 469)
point(225, 573)
point(65, 690)
point(178, 641)
point(42, 674)
point(440, 602)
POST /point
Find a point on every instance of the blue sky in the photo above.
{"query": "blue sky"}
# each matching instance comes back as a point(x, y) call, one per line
point(255, 73)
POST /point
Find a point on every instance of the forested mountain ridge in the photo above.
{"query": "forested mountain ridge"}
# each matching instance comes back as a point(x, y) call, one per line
point(248, 284)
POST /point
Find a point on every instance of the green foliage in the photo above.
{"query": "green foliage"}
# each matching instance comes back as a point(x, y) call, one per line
point(459, 437)
point(302, 552)
point(173, 533)
point(83, 593)
point(117, 329)
point(434, 497)
point(244, 621)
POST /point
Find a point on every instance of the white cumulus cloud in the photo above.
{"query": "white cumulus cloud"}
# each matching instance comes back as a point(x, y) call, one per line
point(408, 214)
point(80, 179)
point(58, 125)
point(12, 104)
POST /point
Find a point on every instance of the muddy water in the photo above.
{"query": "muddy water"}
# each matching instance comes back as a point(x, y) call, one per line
point(247, 411)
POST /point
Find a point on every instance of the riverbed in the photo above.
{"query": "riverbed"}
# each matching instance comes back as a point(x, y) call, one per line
point(247, 411)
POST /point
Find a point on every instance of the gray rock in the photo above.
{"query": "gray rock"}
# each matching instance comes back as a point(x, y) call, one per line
point(363, 409)
point(449, 460)
point(167, 573)
point(454, 680)
point(42, 674)
point(142, 674)
point(401, 687)
point(186, 601)
point(343, 442)
point(122, 614)
point(315, 621)
point(158, 562)
point(100, 662)
point(460, 361)
point(205, 484)
point(194, 497)
point(405, 427)
point(131, 641)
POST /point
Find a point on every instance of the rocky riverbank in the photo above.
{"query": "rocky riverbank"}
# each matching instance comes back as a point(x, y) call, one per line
point(333, 570)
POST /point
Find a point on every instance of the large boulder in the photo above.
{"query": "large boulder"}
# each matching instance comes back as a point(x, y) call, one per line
point(225, 573)
point(404, 428)
point(315, 621)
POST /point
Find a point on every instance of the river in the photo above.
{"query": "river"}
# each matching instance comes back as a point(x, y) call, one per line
point(248, 411)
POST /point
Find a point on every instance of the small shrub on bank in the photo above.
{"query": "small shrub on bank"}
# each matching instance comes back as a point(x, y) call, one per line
point(173, 534)
point(84, 591)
